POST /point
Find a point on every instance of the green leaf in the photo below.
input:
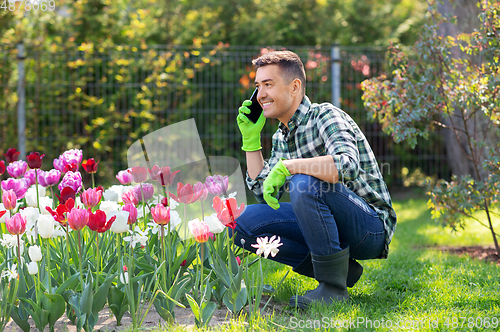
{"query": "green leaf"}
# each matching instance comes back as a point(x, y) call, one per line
point(208, 310)
point(56, 306)
point(87, 300)
point(68, 283)
point(100, 296)
point(194, 306)
point(118, 303)
point(22, 323)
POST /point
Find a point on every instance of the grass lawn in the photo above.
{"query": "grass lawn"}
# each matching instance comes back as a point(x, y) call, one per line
point(416, 289)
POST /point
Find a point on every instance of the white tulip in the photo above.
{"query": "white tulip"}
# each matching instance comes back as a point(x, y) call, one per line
point(32, 268)
point(109, 206)
point(44, 202)
point(214, 224)
point(31, 195)
point(110, 195)
point(4, 217)
point(46, 226)
point(124, 277)
point(120, 224)
point(35, 253)
point(31, 214)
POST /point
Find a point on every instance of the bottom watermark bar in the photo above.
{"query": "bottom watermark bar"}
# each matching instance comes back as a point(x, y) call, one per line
point(399, 324)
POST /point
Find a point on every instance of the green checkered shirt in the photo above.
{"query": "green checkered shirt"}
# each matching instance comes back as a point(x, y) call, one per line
point(321, 129)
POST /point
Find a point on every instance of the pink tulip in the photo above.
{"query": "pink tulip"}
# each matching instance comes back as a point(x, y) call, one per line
point(18, 185)
point(9, 199)
point(163, 175)
point(50, 178)
point(16, 169)
point(132, 213)
point(91, 197)
point(200, 190)
point(17, 224)
point(217, 184)
point(200, 230)
point(72, 180)
point(147, 189)
point(161, 214)
point(129, 197)
point(77, 218)
point(124, 177)
point(185, 194)
point(73, 156)
point(227, 216)
point(29, 177)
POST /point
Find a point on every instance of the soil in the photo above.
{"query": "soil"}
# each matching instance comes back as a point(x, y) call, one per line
point(107, 322)
point(482, 253)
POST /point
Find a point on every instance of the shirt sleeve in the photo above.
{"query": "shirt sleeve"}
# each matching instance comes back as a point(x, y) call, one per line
point(340, 142)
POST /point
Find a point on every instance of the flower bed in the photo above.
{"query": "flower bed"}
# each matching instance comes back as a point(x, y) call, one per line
point(66, 249)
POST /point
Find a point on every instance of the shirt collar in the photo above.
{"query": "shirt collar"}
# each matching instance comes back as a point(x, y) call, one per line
point(297, 117)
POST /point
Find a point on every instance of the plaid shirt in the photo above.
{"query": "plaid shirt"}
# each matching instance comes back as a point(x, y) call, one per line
point(321, 129)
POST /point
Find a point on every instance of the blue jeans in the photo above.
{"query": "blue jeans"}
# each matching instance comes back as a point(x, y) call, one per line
point(320, 217)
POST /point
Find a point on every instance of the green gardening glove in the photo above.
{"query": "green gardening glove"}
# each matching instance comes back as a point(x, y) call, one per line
point(250, 131)
point(273, 182)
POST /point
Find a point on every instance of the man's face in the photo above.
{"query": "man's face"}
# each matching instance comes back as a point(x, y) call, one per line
point(275, 96)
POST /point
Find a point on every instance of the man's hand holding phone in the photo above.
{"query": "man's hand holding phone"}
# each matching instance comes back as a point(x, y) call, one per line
point(250, 131)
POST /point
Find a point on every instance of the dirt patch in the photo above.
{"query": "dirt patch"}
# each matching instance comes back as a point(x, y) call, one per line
point(482, 253)
point(107, 322)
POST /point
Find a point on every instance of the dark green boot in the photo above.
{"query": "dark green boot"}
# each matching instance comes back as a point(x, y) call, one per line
point(305, 268)
point(331, 272)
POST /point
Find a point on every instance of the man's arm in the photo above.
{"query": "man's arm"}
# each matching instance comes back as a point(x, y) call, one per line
point(321, 167)
point(255, 163)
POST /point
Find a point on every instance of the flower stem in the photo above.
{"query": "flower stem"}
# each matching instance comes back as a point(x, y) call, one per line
point(131, 289)
point(143, 207)
point(98, 262)
point(18, 250)
point(37, 195)
point(93, 181)
point(49, 286)
point(53, 197)
point(163, 258)
point(80, 260)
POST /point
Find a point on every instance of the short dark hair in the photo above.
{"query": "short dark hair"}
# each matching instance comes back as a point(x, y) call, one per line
point(290, 64)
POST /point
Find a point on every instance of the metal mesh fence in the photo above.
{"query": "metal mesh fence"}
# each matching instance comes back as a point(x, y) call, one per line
point(102, 100)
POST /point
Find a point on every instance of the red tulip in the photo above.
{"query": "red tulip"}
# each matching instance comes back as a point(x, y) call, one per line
point(227, 210)
point(17, 224)
point(90, 166)
point(70, 168)
point(2, 213)
point(161, 214)
point(140, 174)
point(77, 218)
point(11, 155)
point(97, 221)
point(2, 167)
point(61, 210)
point(35, 160)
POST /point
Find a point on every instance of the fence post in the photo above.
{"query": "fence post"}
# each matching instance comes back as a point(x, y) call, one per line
point(335, 68)
point(21, 103)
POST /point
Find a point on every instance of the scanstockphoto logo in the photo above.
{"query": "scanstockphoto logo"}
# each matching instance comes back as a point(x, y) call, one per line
point(179, 147)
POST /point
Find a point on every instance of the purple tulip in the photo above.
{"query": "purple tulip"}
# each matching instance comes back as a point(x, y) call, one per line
point(72, 180)
point(124, 177)
point(50, 178)
point(217, 185)
point(29, 177)
point(18, 185)
point(73, 156)
point(148, 190)
point(16, 169)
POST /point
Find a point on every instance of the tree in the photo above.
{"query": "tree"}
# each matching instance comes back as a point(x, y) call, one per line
point(431, 87)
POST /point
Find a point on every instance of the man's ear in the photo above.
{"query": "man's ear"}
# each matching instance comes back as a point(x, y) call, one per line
point(296, 86)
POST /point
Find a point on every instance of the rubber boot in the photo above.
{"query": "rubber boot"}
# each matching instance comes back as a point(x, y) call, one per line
point(331, 273)
point(305, 268)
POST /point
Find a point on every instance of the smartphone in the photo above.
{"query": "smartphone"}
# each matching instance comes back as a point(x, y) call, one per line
point(255, 108)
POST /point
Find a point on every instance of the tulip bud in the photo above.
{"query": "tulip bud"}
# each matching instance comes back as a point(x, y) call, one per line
point(35, 253)
point(16, 225)
point(46, 226)
point(120, 225)
point(9, 199)
point(32, 268)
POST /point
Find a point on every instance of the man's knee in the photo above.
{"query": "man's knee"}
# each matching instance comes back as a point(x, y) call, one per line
point(302, 184)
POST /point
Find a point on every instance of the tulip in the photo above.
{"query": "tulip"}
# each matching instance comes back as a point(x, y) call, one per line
point(120, 225)
point(45, 226)
point(50, 178)
point(2, 167)
point(163, 175)
point(18, 185)
point(2, 213)
point(91, 197)
point(16, 225)
point(11, 155)
point(31, 195)
point(200, 230)
point(73, 156)
point(31, 214)
point(70, 168)
point(125, 177)
point(200, 190)
point(32, 268)
point(90, 166)
point(217, 185)
point(35, 253)
point(161, 214)
point(109, 206)
point(214, 224)
point(77, 218)
point(72, 180)
point(16, 169)
point(140, 174)
point(238, 259)
point(29, 177)
point(9, 199)
point(35, 160)
point(66, 194)
point(129, 197)
point(185, 194)
point(147, 189)
point(97, 221)
point(110, 195)
point(132, 210)
point(227, 210)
